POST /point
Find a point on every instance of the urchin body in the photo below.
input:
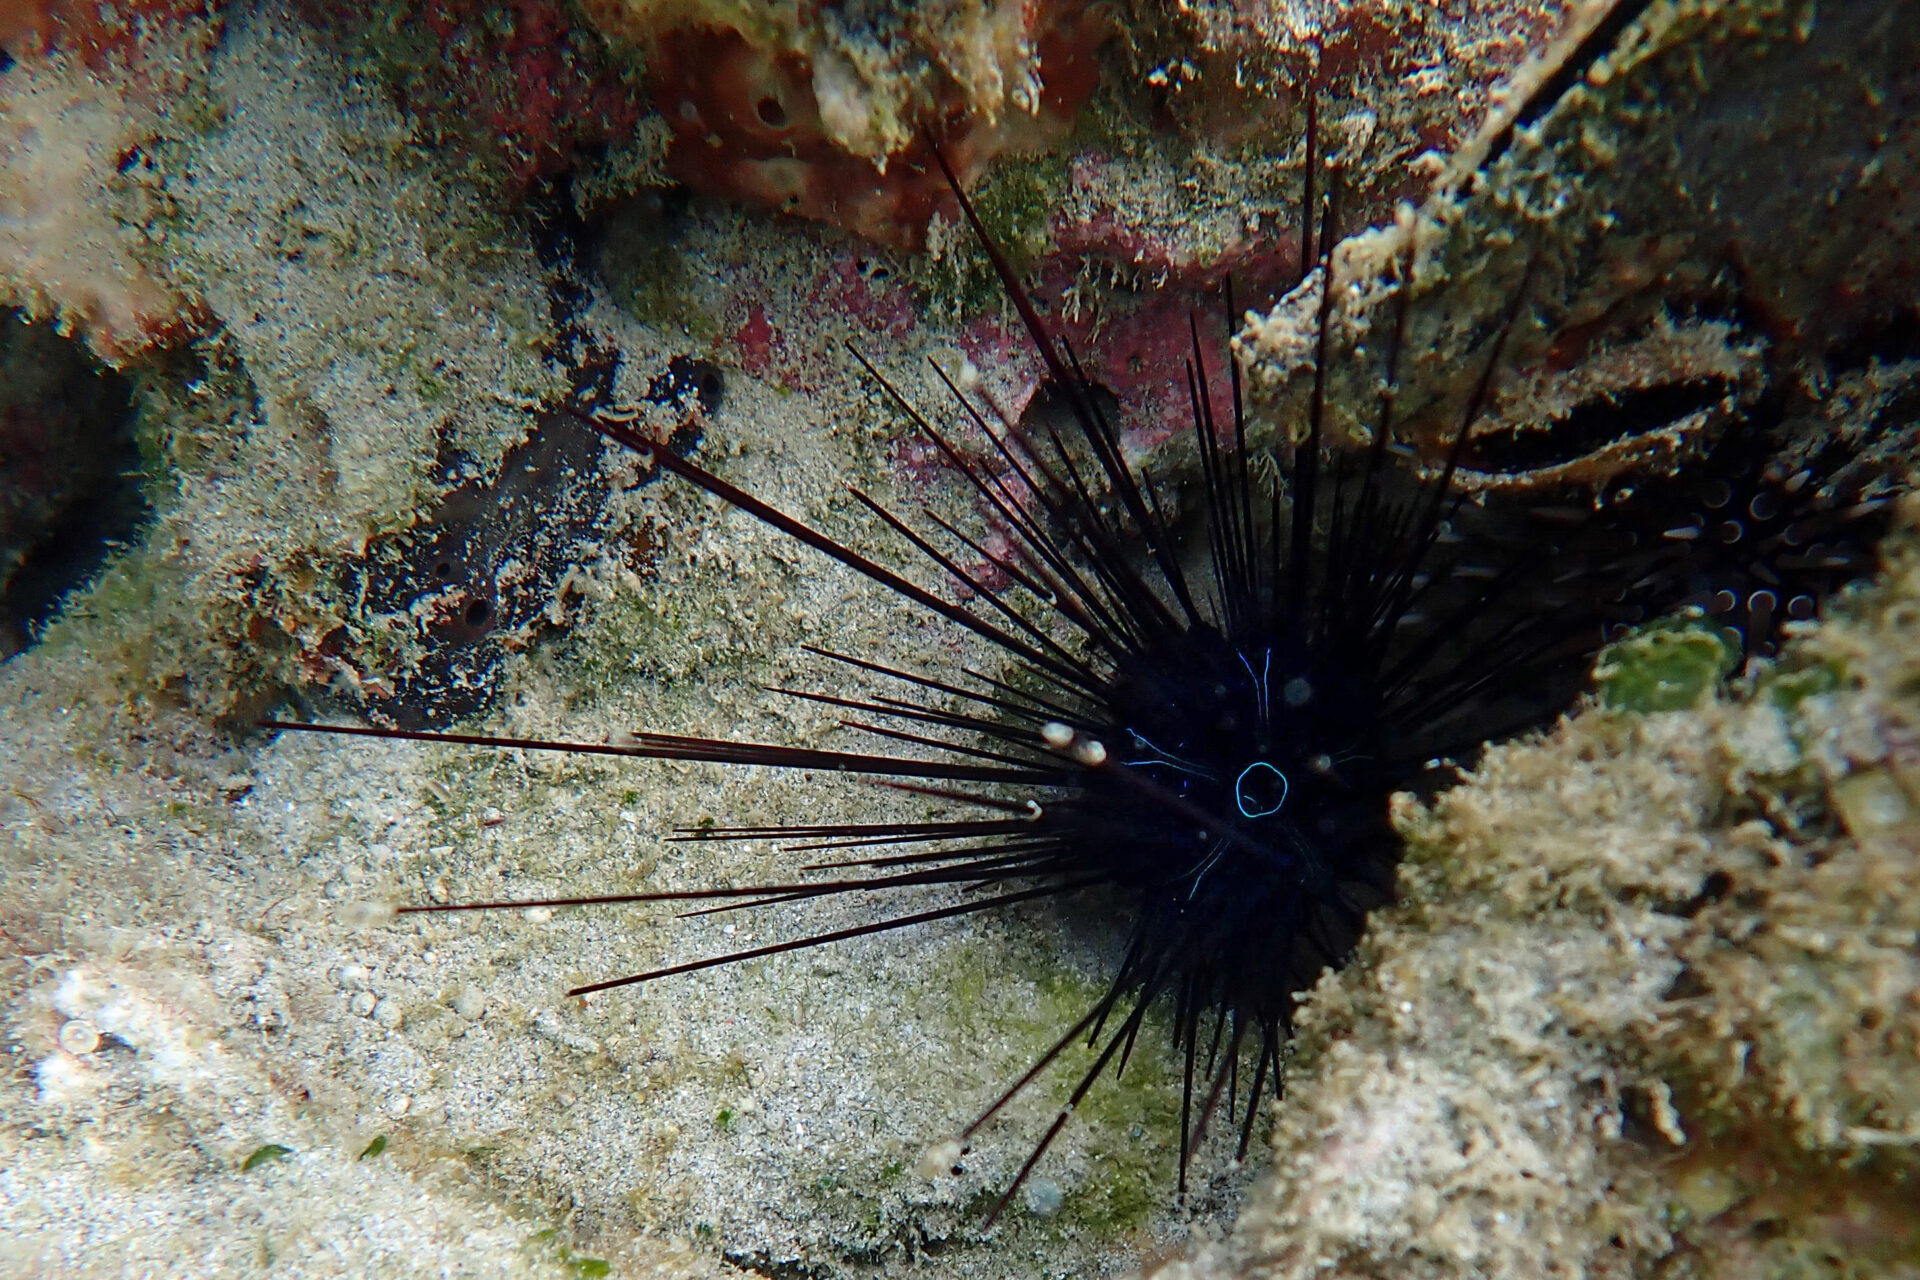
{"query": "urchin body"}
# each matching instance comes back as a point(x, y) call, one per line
point(1283, 750)
point(1205, 716)
point(1207, 734)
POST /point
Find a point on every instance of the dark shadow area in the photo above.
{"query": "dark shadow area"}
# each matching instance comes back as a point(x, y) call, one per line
point(70, 473)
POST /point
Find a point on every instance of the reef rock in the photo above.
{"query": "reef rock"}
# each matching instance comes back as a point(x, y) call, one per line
point(84, 87)
point(830, 111)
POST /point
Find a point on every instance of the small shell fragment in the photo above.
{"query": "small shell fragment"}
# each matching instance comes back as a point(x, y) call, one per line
point(79, 1037)
point(365, 915)
point(1870, 801)
point(938, 1160)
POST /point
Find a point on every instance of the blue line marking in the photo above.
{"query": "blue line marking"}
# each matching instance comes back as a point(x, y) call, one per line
point(1240, 791)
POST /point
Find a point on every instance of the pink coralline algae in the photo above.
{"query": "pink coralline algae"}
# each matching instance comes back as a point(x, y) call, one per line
point(101, 35)
point(522, 79)
point(777, 333)
point(757, 345)
point(548, 97)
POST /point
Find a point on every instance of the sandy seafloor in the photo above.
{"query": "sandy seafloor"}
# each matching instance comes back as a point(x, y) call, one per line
point(192, 896)
point(225, 1059)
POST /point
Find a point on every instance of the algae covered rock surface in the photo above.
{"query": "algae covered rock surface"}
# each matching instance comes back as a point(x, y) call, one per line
point(1650, 1007)
point(1650, 1002)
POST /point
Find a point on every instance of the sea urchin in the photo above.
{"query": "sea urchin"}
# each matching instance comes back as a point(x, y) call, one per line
point(1205, 708)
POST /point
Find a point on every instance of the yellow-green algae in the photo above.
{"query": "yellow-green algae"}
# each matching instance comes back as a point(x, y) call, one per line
point(1670, 665)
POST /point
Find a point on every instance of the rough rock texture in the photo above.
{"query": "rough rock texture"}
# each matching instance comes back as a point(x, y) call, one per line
point(77, 104)
point(1643, 1010)
point(1652, 1005)
point(517, 95)
point(1625, 187)
point(830, 111)
point(381, 334)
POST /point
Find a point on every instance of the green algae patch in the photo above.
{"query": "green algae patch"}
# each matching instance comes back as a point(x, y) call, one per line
point(646, 271)
point(265, 1155)
point(575, 1263)
point(1006, 995)
point(1787, 689)
point(1671, 665)
point(1016, 204)
point(1117, 1156)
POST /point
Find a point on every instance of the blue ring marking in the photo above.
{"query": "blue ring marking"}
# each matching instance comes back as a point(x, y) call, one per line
point(1240, 790)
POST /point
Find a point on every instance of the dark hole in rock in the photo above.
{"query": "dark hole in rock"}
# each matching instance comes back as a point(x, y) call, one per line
point(70, 472)
point(771, 113)
point(1593, 426)
point(688, 379)
point(1638, 1122)
point(1889, 341)
point(1052, 410)
point(635, 248)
